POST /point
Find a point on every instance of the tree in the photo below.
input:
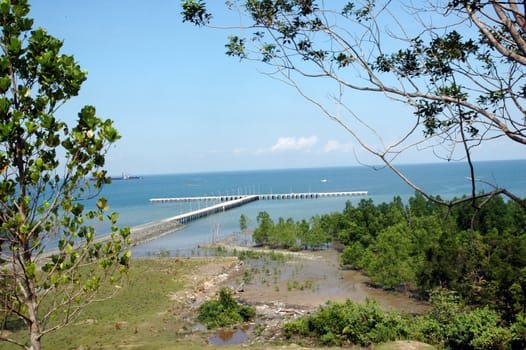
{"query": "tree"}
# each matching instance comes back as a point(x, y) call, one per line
point(388, 261)
point(316, 237)
point(456, 66)
point(264, 230)
point(53, 263)
point(243, 222)
point(283, 234)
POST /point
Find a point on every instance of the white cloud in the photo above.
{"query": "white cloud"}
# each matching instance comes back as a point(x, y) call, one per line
point(337, 146)
point(294, 143)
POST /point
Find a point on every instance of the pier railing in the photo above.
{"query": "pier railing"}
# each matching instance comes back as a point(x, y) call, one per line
point(267, 196)
point(232, 201)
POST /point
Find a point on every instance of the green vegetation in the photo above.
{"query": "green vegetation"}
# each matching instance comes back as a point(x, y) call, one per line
point(224, 311)
point(243, 222)
point(264, 255)
point(456, 74)
point(350, 323)
point(297, 285)
point(447, 325)
point(457, 69)
point(44, 169)
point(455, 85)
point(288, 234)
point(143, 314)
point(480, 254)
point(421, 246)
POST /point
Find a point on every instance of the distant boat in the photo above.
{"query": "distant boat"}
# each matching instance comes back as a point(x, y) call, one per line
point(323, 180)
point(126, 177)
point(123, 177)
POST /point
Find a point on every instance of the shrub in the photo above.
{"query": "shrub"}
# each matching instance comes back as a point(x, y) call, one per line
point(448, 325)
point(453, 326)
point(362, 324)
point(478, 329)
point(224, 311)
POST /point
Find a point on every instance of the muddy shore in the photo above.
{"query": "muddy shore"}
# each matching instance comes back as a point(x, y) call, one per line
point(308, 279)
point(284, 289)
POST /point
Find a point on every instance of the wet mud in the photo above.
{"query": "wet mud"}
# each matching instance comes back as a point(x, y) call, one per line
point(311, 279)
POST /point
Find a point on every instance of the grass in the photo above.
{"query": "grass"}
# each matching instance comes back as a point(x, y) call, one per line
point(141, 313)
point(144, 315)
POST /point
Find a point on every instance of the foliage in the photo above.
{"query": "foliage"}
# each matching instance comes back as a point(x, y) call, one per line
point(265, 255)
point(243, 222)
point(224, 311)
point(288, 234)
point(145, 310)
point(419, 247)
point(456, 67)
point(352, 255)
point(451, 325)
point(448, 325)
point(342, 323)
point(265, 226)
point(388, 260)
point(44, 168)
point(478, 254)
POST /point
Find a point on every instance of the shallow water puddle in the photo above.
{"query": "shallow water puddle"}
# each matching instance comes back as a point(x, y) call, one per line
point(313, 280)
point(229, 337)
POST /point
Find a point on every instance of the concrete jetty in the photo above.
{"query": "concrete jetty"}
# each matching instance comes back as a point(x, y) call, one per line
point(216, 208)
point(232, 201)
point(264, 196)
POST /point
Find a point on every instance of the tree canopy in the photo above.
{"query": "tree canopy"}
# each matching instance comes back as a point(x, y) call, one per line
point(457, 65)
point(52, 261)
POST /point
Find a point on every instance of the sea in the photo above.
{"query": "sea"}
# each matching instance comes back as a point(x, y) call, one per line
point(131, 198)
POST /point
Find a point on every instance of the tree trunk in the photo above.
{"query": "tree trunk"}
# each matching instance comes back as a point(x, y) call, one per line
point(35, 337)
point(34, 327)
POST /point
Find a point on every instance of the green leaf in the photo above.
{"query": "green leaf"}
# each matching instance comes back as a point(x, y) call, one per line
point(102, 204)
point(194, 11)
point(30, 270)
point(125, 258)
point(113, 217)
point(5, 82)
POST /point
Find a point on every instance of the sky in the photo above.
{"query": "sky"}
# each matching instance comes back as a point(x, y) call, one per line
point(182, 105)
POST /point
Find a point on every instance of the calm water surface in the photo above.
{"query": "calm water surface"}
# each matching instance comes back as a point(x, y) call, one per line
point(131, 198)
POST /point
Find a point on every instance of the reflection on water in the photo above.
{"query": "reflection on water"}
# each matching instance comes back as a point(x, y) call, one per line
point(315, 279)
point(230, 336)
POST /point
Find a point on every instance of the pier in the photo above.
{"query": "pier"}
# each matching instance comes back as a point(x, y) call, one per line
point(268, 196)
point(217, 208)
point(233, 201)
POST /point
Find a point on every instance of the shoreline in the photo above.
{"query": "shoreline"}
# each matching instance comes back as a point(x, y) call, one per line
point(153, 230)
point(138, 234)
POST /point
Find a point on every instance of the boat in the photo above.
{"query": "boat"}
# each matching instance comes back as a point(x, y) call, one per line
point(126, 177)
point(123, 177)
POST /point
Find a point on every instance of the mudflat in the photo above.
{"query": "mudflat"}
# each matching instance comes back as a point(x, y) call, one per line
point(310, 279)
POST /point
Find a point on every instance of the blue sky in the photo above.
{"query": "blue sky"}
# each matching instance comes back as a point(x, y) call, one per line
point(182, 105)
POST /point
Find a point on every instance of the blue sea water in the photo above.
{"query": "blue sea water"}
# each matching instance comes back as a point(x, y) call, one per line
point(131, 198)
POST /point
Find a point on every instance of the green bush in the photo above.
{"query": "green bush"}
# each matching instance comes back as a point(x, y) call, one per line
point(453, 326)
point(224, 311)
point(349, 322)
point(478, 329)
point(448, 325)
point(352, 255)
